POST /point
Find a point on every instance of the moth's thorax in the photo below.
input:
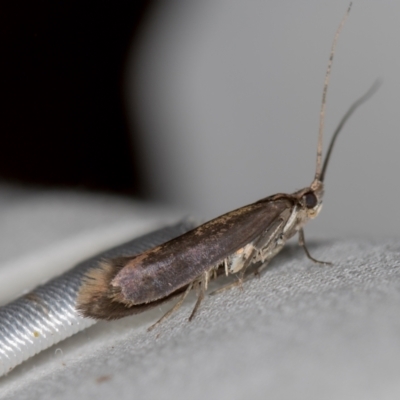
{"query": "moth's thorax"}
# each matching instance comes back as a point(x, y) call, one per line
point(307, 204)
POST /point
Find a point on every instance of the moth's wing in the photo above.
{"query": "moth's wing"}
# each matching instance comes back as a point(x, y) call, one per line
point(94, 301)
point(162, 270)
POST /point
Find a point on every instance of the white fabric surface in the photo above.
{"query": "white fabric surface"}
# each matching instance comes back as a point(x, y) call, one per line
point(301, 331)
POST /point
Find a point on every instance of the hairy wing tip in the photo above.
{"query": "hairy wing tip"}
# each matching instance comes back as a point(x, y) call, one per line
point(94, 297)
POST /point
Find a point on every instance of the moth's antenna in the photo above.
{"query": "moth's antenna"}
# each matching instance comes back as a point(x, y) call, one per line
point(350, 111)
point(323, 104)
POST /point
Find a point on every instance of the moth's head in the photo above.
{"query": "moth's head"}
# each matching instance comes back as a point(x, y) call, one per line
point(310, 198)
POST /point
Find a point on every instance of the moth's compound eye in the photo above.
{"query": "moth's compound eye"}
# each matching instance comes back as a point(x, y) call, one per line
point(310, 199)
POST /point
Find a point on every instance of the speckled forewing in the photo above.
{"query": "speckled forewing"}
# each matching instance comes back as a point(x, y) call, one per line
point(162, 270)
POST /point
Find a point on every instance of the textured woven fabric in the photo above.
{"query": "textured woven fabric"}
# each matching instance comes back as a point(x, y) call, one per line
point(301, 331)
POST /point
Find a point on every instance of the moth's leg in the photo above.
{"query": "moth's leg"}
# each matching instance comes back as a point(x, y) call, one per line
point(174, 308)
point(257, 272)
point(207, 277)
point(214, 274)
point(240, 280)
point(226, 267)
point(270, 244)
point(302, 243)
point(200, 296)
point(247, 263)
point(265, 241)
point(227, 287)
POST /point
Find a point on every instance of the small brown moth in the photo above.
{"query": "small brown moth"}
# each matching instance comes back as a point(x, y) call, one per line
point(229, 243)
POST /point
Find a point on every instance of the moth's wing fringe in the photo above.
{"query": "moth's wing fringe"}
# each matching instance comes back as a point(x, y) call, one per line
point(95, 297)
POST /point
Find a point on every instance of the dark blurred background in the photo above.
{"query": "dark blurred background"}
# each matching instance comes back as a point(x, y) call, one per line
point(62, 119)
point(203, 106)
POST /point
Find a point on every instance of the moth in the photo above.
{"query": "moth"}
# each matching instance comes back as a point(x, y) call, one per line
point(227, 245)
